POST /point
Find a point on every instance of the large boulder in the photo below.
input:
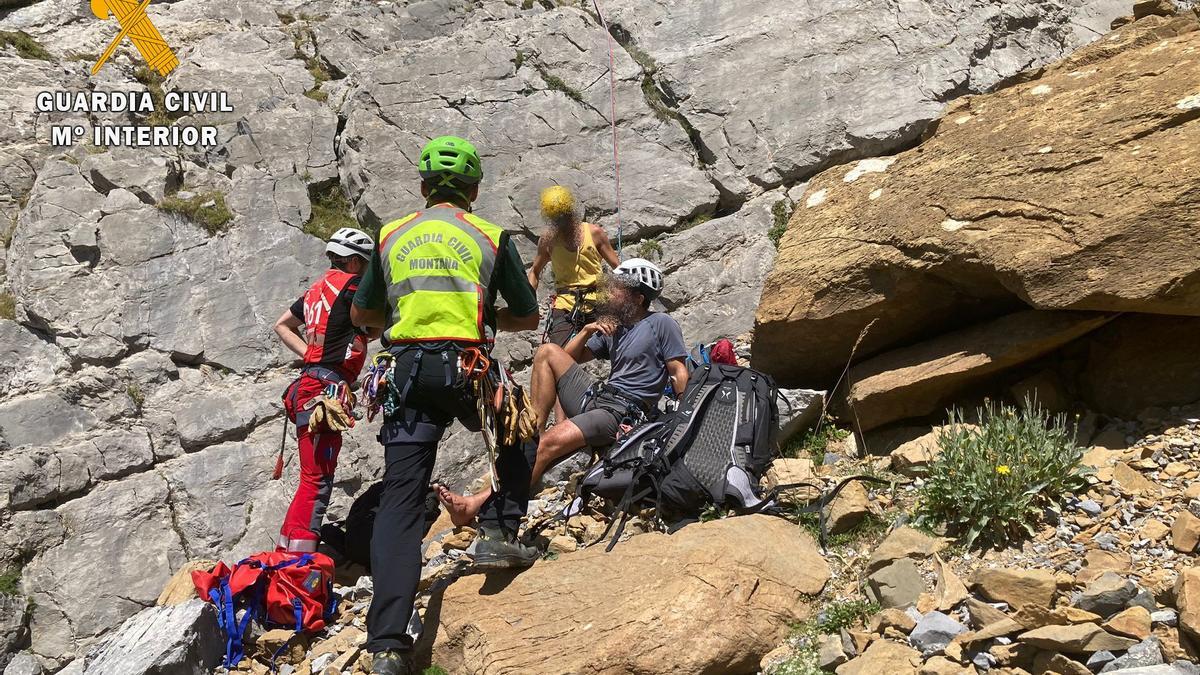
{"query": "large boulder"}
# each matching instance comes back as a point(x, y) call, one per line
point(1068, 191)
point(178, 640)
point(712, 598)
point(918, 380)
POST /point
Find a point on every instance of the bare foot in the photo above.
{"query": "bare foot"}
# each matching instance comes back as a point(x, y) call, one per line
point(462, 508)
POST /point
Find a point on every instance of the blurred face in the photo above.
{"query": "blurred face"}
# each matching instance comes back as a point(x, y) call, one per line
point(620, 302)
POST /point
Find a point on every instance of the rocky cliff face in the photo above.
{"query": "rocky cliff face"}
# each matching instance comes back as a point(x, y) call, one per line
point(1074, 190)
point(141, 408)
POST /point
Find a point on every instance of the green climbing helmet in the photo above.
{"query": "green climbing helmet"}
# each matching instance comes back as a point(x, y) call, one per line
point(452, 160)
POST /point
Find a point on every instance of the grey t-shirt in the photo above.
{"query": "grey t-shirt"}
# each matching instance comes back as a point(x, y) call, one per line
point(639, 355)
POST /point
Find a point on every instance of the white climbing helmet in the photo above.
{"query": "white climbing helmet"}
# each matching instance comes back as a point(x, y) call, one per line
point(349, 241)
point(644, 273)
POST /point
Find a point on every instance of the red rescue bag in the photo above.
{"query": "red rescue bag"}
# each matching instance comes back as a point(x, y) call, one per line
point(292, 590)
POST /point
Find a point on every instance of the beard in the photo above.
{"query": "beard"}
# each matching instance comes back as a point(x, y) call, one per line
point(625, 313)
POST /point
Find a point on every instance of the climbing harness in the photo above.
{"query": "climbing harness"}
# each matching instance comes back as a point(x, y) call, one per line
point(333, 408)
point(612, 101)
point(506, 415)
point(636, 411)
point(579, 310)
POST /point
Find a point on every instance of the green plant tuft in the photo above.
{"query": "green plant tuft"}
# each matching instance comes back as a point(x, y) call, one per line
point(689, 223)
point(207, 209)
point(782, 215)
point(330, 212)
point(841, 614)
point(815, 442)
point(8, 306)
point(26, 46)
point(435, 670)
point(992, 483)
point(802, 662)
point(556, 83)
point(651, 249)
point(135, 394)
point(154, 84)
point(10, 580)
point(317, 94)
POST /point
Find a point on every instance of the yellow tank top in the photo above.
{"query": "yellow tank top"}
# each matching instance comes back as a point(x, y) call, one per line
point(576, 269)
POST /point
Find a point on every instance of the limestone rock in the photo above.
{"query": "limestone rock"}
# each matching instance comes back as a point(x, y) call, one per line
point(1132, 481)
point(802, 411)
point(1185, 532)
point(912, 457)
point(1106, 595)
point(903, 542)
point(14, 619)
point(1144, 654)
point(1081, 638)
point(898, 585)
point(894, 618)
point(714, 273)
point(883, 656)
point(983, 614)
point(1132, 361)
point(848, 508)
point(940, 665)
point(1017, 587)
point(180, 588)
point(1187, 601)
point(1058, 663)
point(70, 607)
point(477, 626)
point(179, 639)
point(1131, 623)
point(891, 246)
point(918, 380)
point(950, 590)
point(830, 653)
point(934, 631)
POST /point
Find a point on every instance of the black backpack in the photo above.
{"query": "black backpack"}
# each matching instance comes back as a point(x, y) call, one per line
point(712, 449)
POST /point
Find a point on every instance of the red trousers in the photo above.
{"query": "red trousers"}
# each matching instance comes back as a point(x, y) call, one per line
point(318, 459)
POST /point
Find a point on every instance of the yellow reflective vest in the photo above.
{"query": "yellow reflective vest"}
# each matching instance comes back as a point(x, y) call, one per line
point(437, 264)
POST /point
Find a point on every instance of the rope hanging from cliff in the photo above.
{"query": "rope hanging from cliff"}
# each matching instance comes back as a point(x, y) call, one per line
point(612, 101)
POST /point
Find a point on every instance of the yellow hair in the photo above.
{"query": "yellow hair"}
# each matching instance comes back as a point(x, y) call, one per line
point(557, 201)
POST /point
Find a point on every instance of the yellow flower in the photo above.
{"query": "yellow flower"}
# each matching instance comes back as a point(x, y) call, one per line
point(1003, 470)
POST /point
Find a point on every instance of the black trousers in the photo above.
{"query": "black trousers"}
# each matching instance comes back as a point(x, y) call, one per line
point(410, 439)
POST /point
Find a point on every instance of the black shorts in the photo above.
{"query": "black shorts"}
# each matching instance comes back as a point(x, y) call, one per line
point(600, 418)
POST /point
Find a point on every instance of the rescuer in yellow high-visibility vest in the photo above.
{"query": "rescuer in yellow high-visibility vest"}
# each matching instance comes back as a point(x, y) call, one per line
point(432, 285)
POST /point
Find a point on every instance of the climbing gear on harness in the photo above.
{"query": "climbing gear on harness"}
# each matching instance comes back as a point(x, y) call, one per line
point(557, 201)
point(375, 382)
point(348, 241)
point(450, 159)
point(336, 392)
point(645, 274)
point(275, 589)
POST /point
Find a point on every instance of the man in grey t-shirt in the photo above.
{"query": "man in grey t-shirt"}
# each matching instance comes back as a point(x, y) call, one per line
point(646, 351)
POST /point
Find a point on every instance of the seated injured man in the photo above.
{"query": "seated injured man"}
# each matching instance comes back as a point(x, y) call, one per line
point(646, 351)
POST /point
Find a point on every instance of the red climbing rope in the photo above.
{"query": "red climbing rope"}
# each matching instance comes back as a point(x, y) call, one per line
point(612, 99)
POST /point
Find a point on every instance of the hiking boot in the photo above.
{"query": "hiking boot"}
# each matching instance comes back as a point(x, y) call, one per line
point(392, 662)
point(496, 549)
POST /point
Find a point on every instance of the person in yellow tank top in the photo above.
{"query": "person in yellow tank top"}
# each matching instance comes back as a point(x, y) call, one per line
point(576, 251)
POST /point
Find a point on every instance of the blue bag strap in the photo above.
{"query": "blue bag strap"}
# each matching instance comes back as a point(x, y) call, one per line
point(298, 609)
point(222, 597)
point(334, 601)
